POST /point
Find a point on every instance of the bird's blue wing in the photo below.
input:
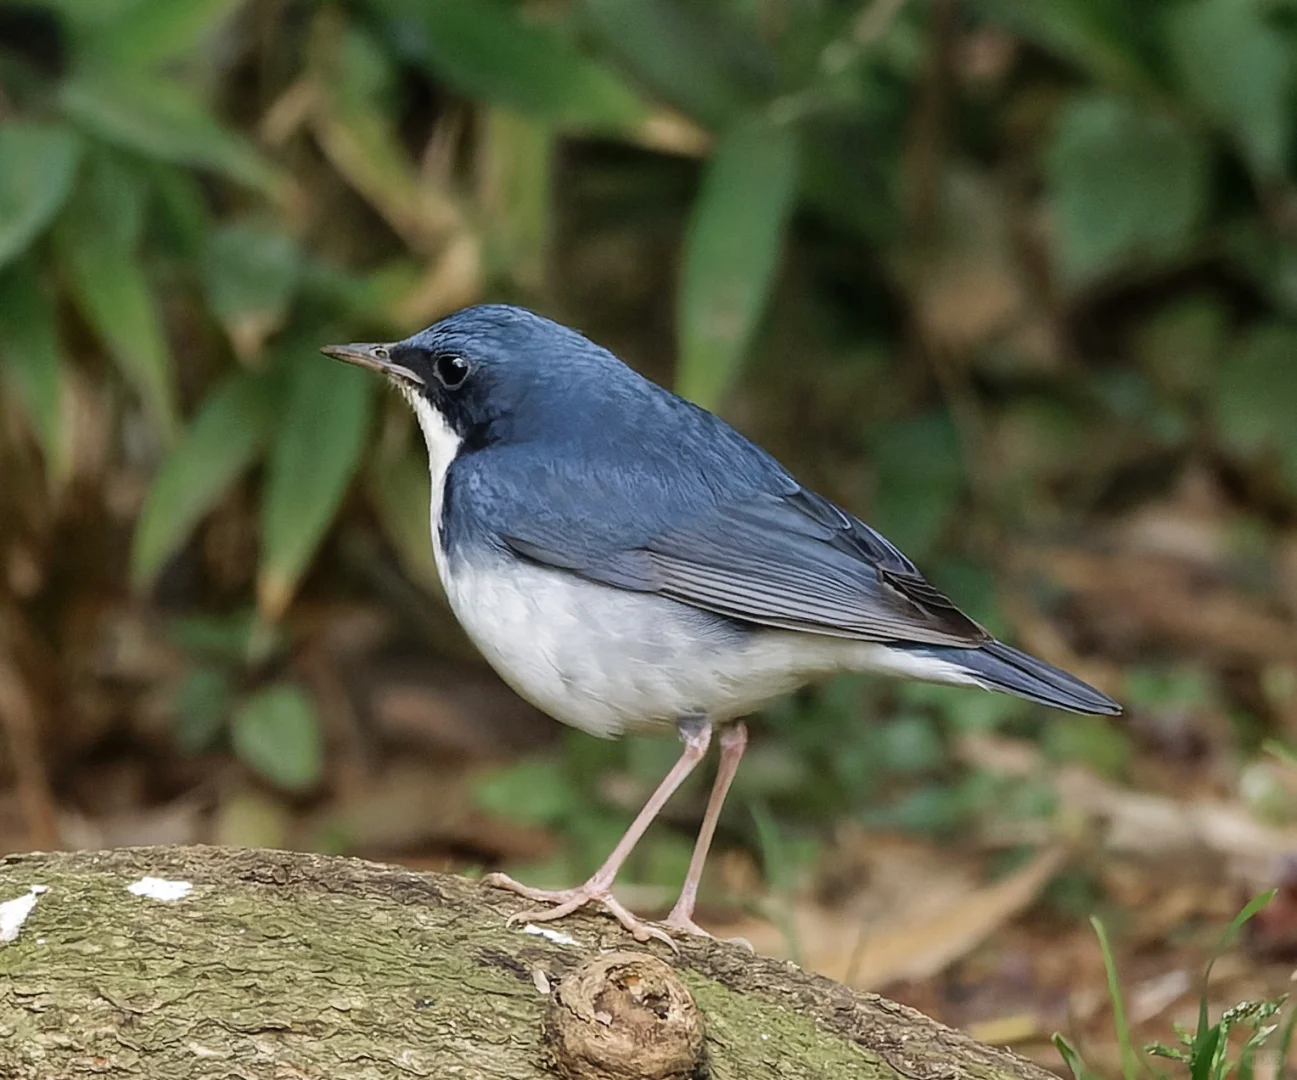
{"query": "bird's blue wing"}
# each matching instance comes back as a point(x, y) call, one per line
point(756, 547)
point(799, 562)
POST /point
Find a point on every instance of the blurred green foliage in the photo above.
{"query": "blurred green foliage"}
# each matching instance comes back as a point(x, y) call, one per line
point(1205, 1052)
point(911, 224)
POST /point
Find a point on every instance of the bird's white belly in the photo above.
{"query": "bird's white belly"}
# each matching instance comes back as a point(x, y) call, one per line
point(608, 661)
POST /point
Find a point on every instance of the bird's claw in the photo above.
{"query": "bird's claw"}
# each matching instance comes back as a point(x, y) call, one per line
point(566, 901)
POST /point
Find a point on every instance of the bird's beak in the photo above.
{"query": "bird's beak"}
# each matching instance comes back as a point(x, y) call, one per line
point(376, 358)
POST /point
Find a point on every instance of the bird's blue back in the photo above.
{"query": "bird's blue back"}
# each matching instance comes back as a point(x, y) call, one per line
point(571, 459)
point(570, 427)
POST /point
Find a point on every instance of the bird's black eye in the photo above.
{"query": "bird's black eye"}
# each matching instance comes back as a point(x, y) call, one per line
point(451, 370)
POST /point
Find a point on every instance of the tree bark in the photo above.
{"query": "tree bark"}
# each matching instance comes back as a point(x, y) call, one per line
point(288, 965)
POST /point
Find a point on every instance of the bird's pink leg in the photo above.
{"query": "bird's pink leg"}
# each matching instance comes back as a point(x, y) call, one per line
point(733, 740)
point(696, 733)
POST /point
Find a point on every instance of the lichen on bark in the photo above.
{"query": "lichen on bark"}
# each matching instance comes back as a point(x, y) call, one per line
point(281, 964)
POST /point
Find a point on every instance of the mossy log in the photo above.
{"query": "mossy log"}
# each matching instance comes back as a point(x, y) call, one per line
point(287, 965)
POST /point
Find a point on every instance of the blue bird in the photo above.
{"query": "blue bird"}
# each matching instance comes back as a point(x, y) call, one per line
point(627, 561)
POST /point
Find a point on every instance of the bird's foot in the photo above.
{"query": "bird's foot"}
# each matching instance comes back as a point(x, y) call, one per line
point(684, 924)
point(681, 922)
point(566, 901)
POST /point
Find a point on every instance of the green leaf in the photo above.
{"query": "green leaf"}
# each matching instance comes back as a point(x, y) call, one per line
point(31, 360)
point(118, 301)
point(1238, 69)
point(731, 251)
point(202, 703)
point(227, 434)
point(146, 34)
point(96, 240)
point(38, 163)
point(183, 214)
point(321, 435)
point(240, 638)
point(688, 53)
point(1256, 395)
point(515, 155)
point(111, 197)
point(252, 273)
point(162, 119)
point(1125, 186)
point(276, 732)
point(488, 52)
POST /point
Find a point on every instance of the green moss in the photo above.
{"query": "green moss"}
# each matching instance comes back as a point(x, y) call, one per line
point(746, 1037)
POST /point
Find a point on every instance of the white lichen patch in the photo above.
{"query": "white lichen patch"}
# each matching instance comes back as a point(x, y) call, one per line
point(556, 936)
point(155, 888)
point(13, 913)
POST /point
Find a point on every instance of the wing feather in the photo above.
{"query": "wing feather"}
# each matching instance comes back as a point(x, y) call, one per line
point(793, 561)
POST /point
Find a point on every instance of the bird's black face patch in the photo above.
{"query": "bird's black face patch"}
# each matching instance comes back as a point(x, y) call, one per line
point(502, 375)
point(458, 388)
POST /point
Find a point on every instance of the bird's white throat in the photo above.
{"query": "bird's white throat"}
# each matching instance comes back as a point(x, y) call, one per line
point(443, 444)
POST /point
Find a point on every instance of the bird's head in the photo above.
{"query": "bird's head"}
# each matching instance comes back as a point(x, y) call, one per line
point(490, 372)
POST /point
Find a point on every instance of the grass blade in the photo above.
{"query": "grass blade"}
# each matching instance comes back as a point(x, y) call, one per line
point(1202, 1055)
point(1130, 1064)
point(1249, 909)
point(1072, 1059)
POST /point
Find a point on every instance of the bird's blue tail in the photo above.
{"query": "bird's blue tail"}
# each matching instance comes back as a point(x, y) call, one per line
point(1000, 667)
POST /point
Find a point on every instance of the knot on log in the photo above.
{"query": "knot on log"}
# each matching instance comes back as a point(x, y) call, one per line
point(624, 1016)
